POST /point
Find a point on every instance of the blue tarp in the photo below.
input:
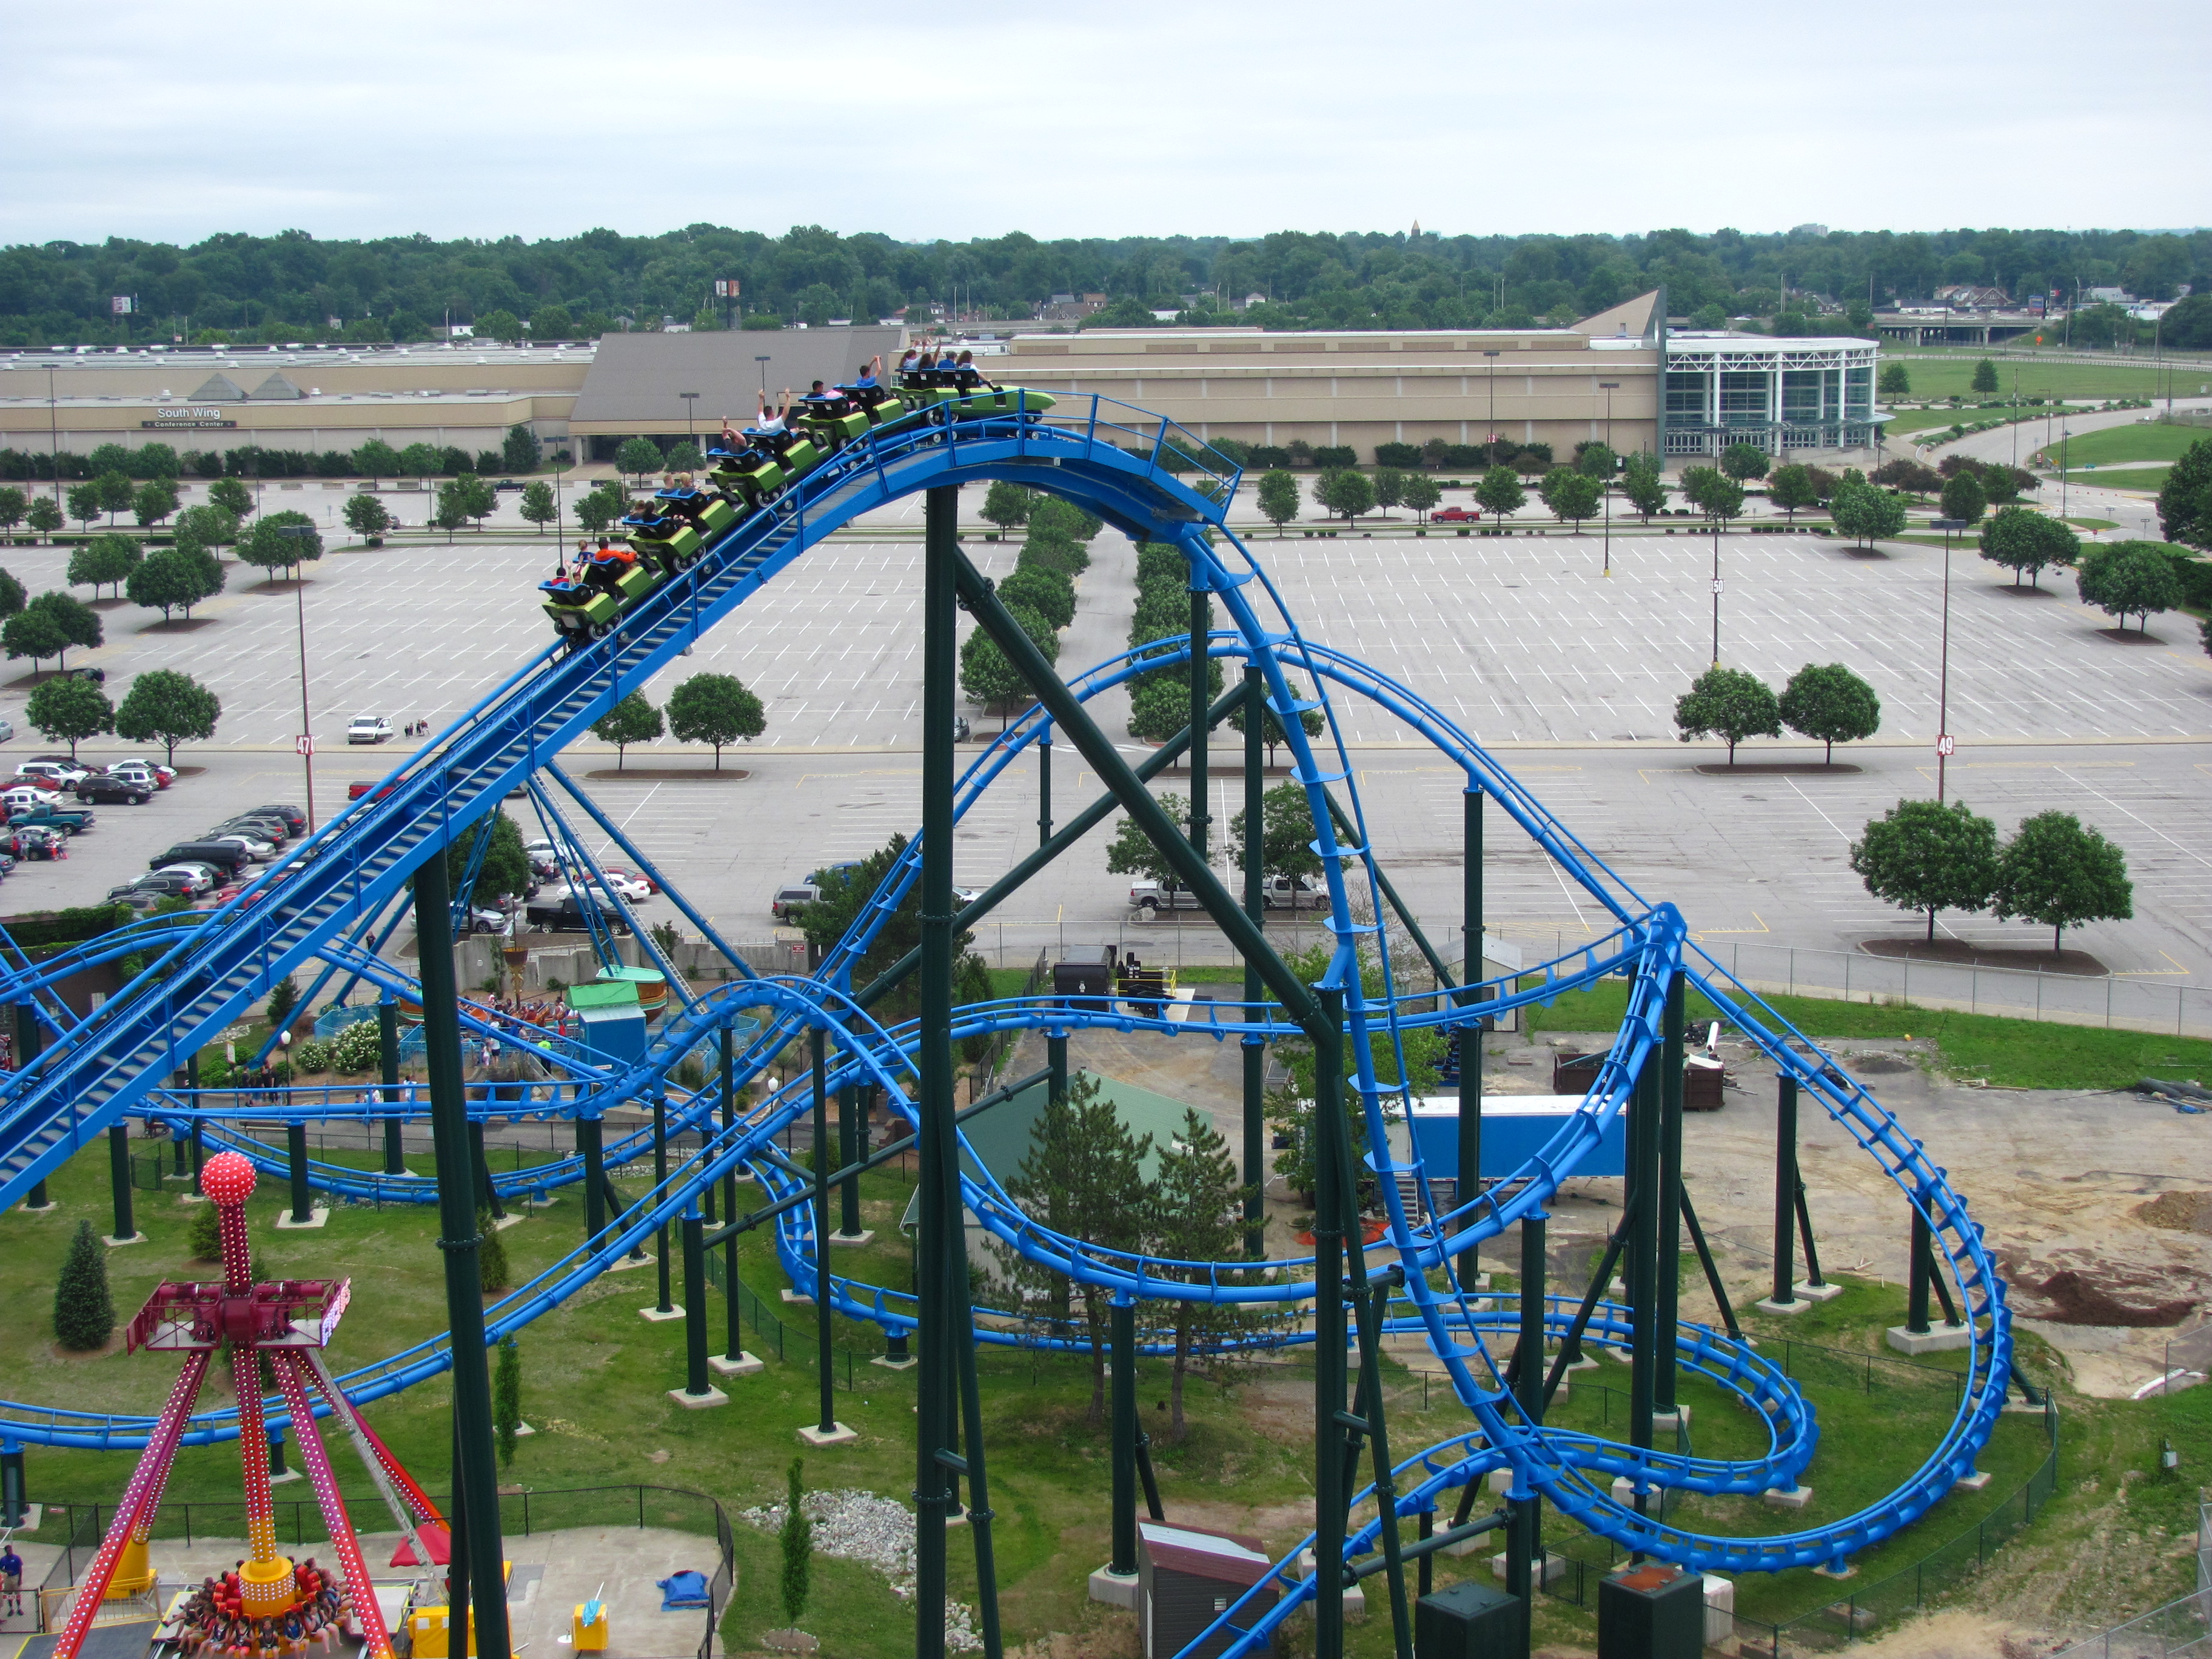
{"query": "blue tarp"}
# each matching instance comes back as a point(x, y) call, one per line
point(682, 1589)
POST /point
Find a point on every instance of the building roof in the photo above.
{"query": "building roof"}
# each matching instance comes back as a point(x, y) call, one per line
point(1222, 1557)
point(1632, 318)
point(635, 378)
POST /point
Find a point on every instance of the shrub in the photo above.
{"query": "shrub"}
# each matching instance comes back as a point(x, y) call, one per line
point(1403, 456)
point(491, 1256)
point(84, 1312)
point(1331, 458)
point(355, 1048)
point(203, 1238)
point(313, 1056)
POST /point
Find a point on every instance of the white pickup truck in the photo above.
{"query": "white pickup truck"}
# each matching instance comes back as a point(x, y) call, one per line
point(1277, 892)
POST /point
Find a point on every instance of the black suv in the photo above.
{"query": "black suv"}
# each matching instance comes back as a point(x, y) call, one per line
point(294, 817)
point(101, 787)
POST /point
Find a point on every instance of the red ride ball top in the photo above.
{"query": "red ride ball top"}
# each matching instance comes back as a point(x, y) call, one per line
point(227, 1178)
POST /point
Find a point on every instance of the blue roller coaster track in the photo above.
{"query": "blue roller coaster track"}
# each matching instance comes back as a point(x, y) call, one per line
point(333, 899)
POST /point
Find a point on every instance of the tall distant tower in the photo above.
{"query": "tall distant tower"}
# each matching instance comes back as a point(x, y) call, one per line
point(1417, 230)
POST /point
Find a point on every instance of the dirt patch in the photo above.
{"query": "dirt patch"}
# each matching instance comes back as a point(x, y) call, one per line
point(669, 775)
point(1960, 953)
point(178, 625)
point(2021, 592)
point(1780, 770)
point(1957, 1634)
point(2183, 1212)
point(2130, 636)
point(2115, 1299)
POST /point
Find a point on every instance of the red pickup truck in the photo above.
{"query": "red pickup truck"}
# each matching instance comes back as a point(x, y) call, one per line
point(1456, 515)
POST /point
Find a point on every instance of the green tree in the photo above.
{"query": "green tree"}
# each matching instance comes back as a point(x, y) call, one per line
point(636, 457)
point(845, 893)
point(631, 721)
point(795, 1544)
point(1006, 504)
point(1196, 1214)
point(687, 457)
point(1389, 486)
point(1744, 462)
point(105, 561)
point(84, 1311)
point(153, 501)
point(12, 595)
point(14, 505)
point(1133, 853)
point(1922, 856)
point(1500, 493)
point(1279, 497)
point(1830, 702)
point(33, 634)
point(1964, 499)
point(539, 507)
point(986, 678)
point(452, 511)
point(714, 709)
point(1572, 496)
point(1271, 724)
point(1894, 382)
point(366, 516)
point(117, 493)
point(1790, 489)
point(505, 873)
point(167, 581)
point(502, 325)
point(1865, 514)
point(376, 459)
point(1597, 459)
point(475, 496)
point(203, 1237)
point(495, 1274)
point(232, 495)
point(78, 623)
point(1422, 495)
point(1729, 704)
point(1083, 1176)
point(266, 547)
point(68, 710)
point(167, 707)
point(207, 526)
point(1041, 588)
point(283, 999)
point(1048, 513)
point(44, 518)
point(518, 451)
point(1985, 376)
point(2125, 578)
point(601, 506)
point(506, 1396)
point(2184, 500)
point(84, 503)
point(2021, 538)
point(1347, 492)
point(1645, 489)
point(551, 322)
point(2059, 872)
point(421, 460)
point(1286, 834)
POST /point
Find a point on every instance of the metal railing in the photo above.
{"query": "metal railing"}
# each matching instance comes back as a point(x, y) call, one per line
point(521, 1513)
point(785, 1341)
point(2182, 1629)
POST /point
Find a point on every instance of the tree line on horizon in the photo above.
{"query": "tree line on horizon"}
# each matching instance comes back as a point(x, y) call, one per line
point(294, 287)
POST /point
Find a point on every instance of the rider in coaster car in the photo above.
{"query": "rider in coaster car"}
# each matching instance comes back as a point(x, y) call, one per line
point(909, 366)
point(609, 563)
point(733, 442)
point(867, 385)
point(773, 428)
point(966, 375)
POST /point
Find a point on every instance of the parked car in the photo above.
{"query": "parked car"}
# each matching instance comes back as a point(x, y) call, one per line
point(630, 888)
point(259, 851)
point(31, 841)
point(619, 874)
point(789, 901)
point(355, 791)
point(284, 809)
point(51, 815)
point(961, 731)
point(49, 773)
point(24, 796)
point(275, 831)
point(369, 728)
point(482, 919)
point(506, 484)
point(1155, 895)
point(1456, 515)
point(190, 879)
point(224, 855)
point(96, 676)
point(6, 728)
point(162, 774)
point(565, 914)
point(1294, 893)
point(102, 786)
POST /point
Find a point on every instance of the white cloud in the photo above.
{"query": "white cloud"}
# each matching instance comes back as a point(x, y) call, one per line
point(1141, 118)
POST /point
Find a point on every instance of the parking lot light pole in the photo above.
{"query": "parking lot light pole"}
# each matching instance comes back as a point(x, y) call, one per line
point(1490, 376)
point(307, 724)
point(1608, 387)
point(1944, 744)
point(762, 362)
point(691, 408)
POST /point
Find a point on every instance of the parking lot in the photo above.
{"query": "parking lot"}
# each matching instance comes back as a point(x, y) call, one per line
point(1573, 673)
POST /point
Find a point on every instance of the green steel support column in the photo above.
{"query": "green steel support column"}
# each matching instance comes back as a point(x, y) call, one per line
point(1331, 1206)
point(477, 1477)
point(667, 1303)
point(1056, 1050)
point(1044, 788)
point(1922, 1271)
point(1255, 907)
point(1525, 1517)
point(850, 1153)
point(487, 1194)
point(591, 1141)
point(1201, 679)
point(296, 1164)
point(1666, 1307)
point(1786, 1189)
point(387, 1056)
point(1123, 1561)
point(28, 1048)
point(736, 1335)
point(1643, 1262)
point(817, 1048)
point(933, 1066)
point(118, 1180)
point(1470, 1185)
point(694, 1305)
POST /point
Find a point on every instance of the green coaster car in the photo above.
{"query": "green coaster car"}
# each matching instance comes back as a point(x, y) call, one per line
point(634, 583)
point(718, 516)
point(1001, 400)
point(681, 546)
point(836, 427)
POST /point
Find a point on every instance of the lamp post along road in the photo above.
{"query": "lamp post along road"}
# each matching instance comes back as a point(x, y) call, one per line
point(690, 408)
point(307, 743)
point(1490, 377)
point(1943, 741)
point(1608, 387)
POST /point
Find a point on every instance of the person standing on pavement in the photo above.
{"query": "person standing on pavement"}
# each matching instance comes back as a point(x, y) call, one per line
point(11, 1576)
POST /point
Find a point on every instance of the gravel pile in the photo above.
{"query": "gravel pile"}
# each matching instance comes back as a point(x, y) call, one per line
point(877, 1532)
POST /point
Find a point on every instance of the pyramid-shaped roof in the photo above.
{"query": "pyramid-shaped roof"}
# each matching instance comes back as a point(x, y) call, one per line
point(277, 386)
point(219, 389)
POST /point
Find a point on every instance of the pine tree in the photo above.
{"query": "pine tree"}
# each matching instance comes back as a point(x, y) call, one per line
point(797, 1540)
point(1197, 1205)
point(205, 1237)
point(491, 1255)
point(507, 1396)
point(84, 1312)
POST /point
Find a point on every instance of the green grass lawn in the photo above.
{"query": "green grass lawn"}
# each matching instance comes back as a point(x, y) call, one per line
point(2012, 1054)
point(2148, 478)
point(1953, 376)
point(2139, 441)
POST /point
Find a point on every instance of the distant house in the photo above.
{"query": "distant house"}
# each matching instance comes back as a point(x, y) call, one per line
point(1965, 297)
point(2107, 297)
point(1071, 307)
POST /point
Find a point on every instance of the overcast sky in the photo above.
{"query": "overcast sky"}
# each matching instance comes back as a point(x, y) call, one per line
point(463, 120)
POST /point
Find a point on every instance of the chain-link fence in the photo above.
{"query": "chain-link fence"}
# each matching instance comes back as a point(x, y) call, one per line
point(2182, 1629)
